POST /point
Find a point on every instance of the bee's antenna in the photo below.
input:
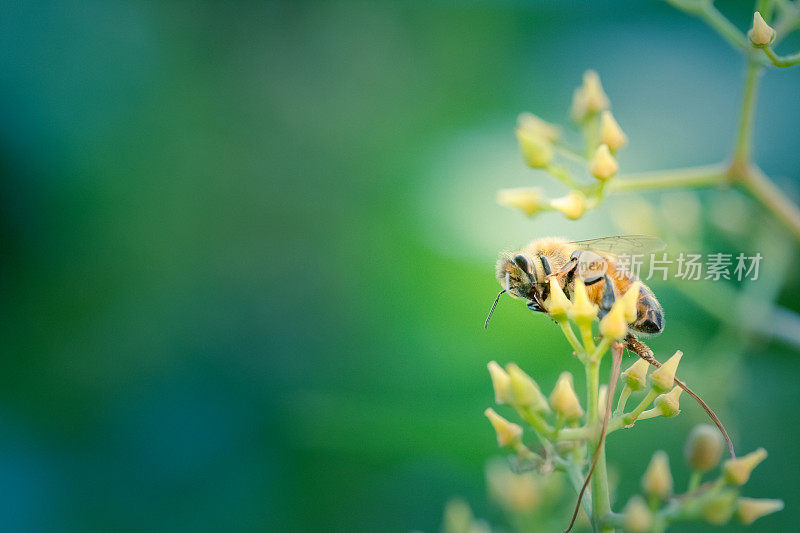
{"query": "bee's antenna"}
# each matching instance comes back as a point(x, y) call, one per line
point(486, 324)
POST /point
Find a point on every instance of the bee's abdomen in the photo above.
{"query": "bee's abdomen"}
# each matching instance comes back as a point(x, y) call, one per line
point(649, 314)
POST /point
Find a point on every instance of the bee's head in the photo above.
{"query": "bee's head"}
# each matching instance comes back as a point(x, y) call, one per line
point(517, 275)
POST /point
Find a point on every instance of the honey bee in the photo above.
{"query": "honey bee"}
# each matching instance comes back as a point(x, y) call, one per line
point(526, 274)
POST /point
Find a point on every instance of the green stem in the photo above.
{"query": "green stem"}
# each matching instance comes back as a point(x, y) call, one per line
point(773, 199)
point(563, 175)
point(623, 399)
point(694, 481)
point(701, 176)
point(782, 61)
point(742, 154)
point(705, 10)
point(576, 479)
point(569, 333)
point(630, 418)
point(601, 504)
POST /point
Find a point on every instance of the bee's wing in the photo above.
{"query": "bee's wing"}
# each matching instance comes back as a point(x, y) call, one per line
point(623, 244)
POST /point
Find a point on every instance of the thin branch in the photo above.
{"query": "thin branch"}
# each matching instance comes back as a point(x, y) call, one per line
point(691, 177)
point(744, 140)
point(773, 199)
point(705, 10)
point(782, 61)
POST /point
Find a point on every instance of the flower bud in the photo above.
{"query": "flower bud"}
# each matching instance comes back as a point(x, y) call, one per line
point(630, 299)
point(737, 471)
point(536, 149)
point(578, 109)
point(637, 517)
point(594, 96)
point(663, 378)
point(523, 390)
point(751, 509)
point(761, 34)
point(667, 404)
point(582, 310)
point(516, 492)
point(719, 509)
point(703, 448)
point(613, 325)
point(573, 205)
point(536, 126)
point(457, 516)
point(500, 381)
point(636, 375)
point(563, 398)
point(657, 480)
point(508, 433)
point(529, 200)
point(603, 165)
point(557, 304)
point(610, 132)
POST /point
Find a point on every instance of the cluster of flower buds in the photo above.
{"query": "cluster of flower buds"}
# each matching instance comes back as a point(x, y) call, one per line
point(514, 387)
point(567, 431)
point(541, 143)
point(715, 502)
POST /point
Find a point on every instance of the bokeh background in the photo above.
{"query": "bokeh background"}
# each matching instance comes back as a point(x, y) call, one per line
point(247, 250)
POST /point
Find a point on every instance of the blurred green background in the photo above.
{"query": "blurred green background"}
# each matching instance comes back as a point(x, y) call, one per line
point(247, 249)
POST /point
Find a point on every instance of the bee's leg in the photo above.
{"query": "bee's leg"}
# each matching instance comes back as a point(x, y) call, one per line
point(644, 351)
point(546, 265)
point(571, 265)
point(567, 270)
point(608, 297)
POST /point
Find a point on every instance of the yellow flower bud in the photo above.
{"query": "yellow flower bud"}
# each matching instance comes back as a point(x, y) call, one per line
point(720, 509)
point(536, 149)
point(563, 398)
point(500, 381)
point(536, 126)
point(751, 509)
point(663, 378)
point(557, 304)
point(573, 205)
point(508, 433)
point(613, 325)
point(636, 375)
point(737, 471)
point(578, 109)
point(610, 132)
point(457, 516)
point(667, 404)
point(593, 94)
point(527, 199)
point(582, 310)
point(603, 165)
point(630, 299)
point(761, 34)
point(523, 390)
point(518, 493)
point(703, 448)
point(657, 480)
point(637, 516)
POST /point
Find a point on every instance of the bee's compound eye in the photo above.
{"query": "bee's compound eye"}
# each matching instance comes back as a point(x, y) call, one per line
point(522, 262)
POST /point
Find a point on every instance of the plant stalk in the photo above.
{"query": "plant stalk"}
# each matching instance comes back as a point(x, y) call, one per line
point(601, 503)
